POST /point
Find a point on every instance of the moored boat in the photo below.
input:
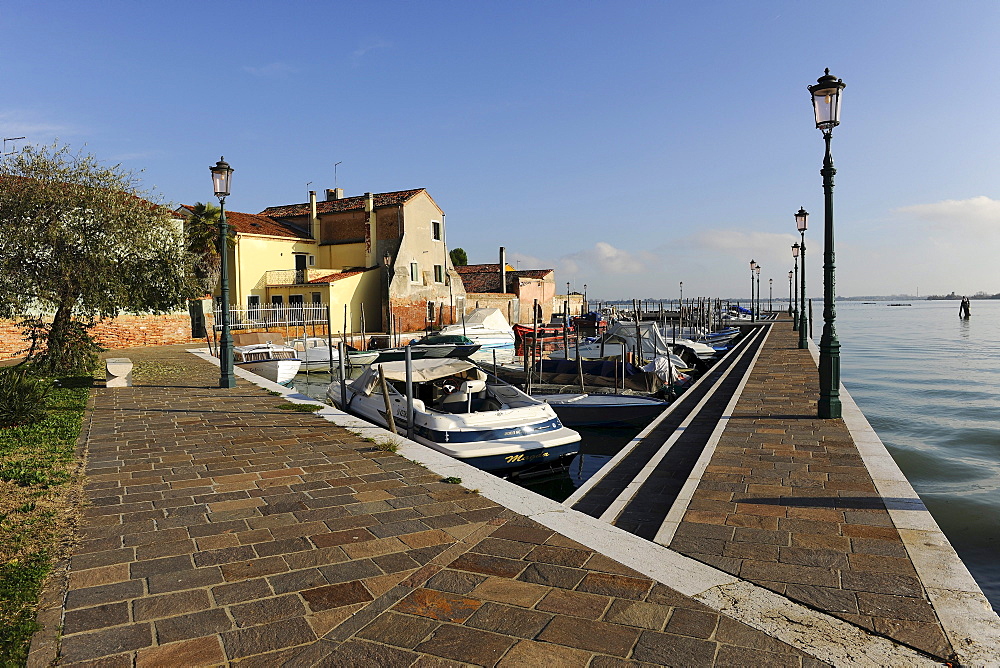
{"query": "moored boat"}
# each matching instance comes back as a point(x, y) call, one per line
point(277, 363)
point(579, 410)
point(445, 345)
point(464, 412)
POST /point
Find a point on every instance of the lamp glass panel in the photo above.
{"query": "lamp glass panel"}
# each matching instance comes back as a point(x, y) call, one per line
point(826, 106)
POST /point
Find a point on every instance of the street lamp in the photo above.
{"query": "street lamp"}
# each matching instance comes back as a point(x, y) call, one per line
point(793, 307)
point(791, 296)
point(825, 95)
point(753, 265)
point(757, 271)
point(386, 260)
point(770, 294)
point(221, 176)
point(585, 309)
point(801, 222)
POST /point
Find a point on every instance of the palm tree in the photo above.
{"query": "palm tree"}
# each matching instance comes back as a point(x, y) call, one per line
point(202, 234)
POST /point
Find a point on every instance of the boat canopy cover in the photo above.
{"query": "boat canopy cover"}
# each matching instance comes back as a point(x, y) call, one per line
point(487, 318)
point(423, 370)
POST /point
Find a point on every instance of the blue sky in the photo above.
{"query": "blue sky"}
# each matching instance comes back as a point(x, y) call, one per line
point(629, 145)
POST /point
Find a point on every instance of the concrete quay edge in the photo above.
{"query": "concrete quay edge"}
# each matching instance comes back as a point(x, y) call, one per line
point(966, 616)
point(813, 632)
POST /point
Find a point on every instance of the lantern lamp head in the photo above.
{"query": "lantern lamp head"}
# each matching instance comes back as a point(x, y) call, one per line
point(826, 101)
point(801, 219)
point(795, 249)
point(221, 177)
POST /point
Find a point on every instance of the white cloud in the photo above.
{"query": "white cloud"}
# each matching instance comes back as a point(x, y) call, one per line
point(732, 241)
point(275, 69)
point(976, 215)
point(34, 129)
point(364, 49)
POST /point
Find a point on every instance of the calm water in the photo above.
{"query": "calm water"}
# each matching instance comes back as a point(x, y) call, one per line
point(928, 382)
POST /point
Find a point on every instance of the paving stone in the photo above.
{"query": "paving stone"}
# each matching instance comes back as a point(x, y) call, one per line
point(508, 620)
point(167, 605)
point(100, 595)
point(237, 592)
point(106, 642)
point(693, 623)
point(399, 630)
point(206, 651)
point(530, 654)
point(552, 576)
point(266, 610)
point(456, 582)
point(465, 644)
point(100, 616)
point(267, 638)
point(513, 592)
point(336, 595)
point(488, 565)
point(609, 584)
point(438, 605)
point(192, 625)
point(635, 613)
point(589, 635)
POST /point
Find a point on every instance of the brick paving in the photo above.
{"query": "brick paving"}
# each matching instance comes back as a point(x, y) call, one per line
point(787, 503)
point(221, 530)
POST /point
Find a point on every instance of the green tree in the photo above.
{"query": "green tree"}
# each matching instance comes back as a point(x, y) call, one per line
point(80, 241)
point(458, 257)
point(202, 237)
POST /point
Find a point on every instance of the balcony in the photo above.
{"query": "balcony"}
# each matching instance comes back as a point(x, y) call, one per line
point(278, 277)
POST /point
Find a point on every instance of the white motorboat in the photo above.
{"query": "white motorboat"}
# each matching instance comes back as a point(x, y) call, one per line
point(579, 410)
point(316, 353)
point(464, 412)
point(621, 338)
point(489, 328)
point(277, 363)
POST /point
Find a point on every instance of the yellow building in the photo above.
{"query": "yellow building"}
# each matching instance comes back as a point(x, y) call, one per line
point(370, 258)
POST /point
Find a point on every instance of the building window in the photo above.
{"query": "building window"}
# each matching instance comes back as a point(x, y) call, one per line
point(436, 229)
point(414, 272)
point(317, 297)
point(253, 306)
point(438, 273)
point(312, 260)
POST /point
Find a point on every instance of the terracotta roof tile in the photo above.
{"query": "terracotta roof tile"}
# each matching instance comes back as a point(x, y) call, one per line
point(252, 223)
point(480, 278)
point(344, 204)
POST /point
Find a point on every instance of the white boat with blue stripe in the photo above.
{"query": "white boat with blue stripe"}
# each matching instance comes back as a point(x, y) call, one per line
point(463, 411)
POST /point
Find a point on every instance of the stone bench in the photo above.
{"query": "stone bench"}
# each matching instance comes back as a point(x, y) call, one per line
point(119, 372)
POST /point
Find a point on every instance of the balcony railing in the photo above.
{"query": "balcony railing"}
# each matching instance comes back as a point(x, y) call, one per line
point(277, 277)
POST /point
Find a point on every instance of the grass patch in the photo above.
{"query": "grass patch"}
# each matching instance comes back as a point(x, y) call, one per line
point(37, 474)
point(387, 444)
point(300, 408)
point(452, 480)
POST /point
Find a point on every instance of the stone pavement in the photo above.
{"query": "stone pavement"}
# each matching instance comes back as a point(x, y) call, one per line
point(222, 530)
point(787, 502)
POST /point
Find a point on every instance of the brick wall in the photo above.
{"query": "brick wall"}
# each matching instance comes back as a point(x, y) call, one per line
point(125, 331)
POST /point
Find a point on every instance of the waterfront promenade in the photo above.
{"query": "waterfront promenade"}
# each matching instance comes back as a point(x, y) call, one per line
point(220, 529)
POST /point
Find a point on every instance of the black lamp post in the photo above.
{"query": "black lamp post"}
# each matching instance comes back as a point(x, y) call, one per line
point(757, 271)
point(770, 294)
point(801, 222)
point(221, 176)
point(826, 107)
point(791, 296)
point(585, 309)
point(793, 306)
point(753, 265)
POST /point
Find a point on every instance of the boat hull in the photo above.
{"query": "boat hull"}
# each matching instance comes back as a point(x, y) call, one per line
point(278, 371)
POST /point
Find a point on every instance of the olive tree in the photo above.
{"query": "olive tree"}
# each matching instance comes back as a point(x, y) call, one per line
point(80, 241)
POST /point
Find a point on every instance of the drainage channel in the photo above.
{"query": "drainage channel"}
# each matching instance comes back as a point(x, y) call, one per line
point(635, 490)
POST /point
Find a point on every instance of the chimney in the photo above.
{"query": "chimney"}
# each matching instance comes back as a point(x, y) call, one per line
point(334, 194)
point(371, 233)
point(313, 217)
point(503, 269)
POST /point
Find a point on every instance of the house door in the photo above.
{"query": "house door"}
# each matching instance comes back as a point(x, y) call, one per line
point(300, 268)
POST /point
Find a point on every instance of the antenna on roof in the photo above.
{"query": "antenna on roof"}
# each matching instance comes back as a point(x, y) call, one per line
point(7, 139)
point(335, 173)
point(308, 183)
